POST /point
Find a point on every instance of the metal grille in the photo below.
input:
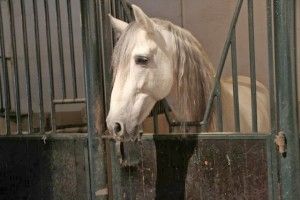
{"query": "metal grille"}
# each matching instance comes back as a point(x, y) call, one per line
point(41, 66)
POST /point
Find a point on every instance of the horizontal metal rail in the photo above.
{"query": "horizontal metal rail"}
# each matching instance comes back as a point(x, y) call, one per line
point(203, 135)
point(69, 101)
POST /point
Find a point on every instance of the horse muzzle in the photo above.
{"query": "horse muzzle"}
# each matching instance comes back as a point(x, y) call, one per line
point(118, 131)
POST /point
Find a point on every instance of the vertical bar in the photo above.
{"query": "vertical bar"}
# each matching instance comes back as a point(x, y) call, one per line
point(219, 108)
point(271, 150)
point(115, 172)
point(252, 65)
point(235, 86)
point(221, 64)
point(95, 99)
point(72, 50)
point(50, 65)
point(155, 121)
point(60, 49)
point(284, 26)
point(113, 12)
point(15, 63)
point(27, 70)
point(1, 95)
point(5, 76)
point(39, 65)
point(126, 10)
point(106, 42)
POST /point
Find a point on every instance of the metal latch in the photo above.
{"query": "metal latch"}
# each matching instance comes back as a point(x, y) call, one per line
point(280, 141)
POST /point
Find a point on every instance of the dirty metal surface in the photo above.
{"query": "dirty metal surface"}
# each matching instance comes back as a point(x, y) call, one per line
point(194, 169)
point(32, 169)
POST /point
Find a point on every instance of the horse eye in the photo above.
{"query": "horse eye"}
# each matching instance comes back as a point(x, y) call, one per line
point(141, 60)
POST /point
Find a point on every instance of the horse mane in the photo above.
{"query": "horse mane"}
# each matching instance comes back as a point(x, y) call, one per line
point(194, 73)
point(193, 69)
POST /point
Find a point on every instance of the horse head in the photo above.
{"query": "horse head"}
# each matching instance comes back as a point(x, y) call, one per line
point(143, 73)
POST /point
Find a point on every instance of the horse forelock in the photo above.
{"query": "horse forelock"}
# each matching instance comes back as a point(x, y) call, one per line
point(124, 47)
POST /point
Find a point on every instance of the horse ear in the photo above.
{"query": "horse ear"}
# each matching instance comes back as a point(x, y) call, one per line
point(142, 18)
point(149, 25)
point(118, 25)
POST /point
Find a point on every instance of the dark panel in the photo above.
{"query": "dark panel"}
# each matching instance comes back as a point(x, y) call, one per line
point(30, 169)
point(191, 169)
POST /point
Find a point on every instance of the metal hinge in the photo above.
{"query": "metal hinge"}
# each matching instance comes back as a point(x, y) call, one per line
point(280, 141)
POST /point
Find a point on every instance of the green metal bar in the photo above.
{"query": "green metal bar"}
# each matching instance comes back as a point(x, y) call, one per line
point(39, 67)
point(5, 77)
point(45, 137)
point(115, 167)
point(271, 149)
point(126, 10)
point(50, 65)
point(106, 49)
point(252, 65)
point(284, 49)
point(208, 135)
point(27, 67)
point(69, 101)
point(16, 68)
point(94, 96)
point(72, 50)
point(222, 62)
point(235, 82)
point(219, 109)
point(60, 49)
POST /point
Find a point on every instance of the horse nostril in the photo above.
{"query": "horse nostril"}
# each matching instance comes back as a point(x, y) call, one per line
point(117, 128)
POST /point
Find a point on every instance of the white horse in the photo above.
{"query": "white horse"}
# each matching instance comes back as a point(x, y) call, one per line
point(155, 59)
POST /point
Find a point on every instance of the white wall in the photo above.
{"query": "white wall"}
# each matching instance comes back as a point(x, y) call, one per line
point(209, 21)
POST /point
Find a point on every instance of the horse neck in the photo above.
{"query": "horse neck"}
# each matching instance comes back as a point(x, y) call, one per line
point(188, 101)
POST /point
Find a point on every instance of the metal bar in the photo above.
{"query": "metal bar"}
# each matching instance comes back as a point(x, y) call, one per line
point(252, 65)
point(126, 10)
point(69, 101)
point(208, 136)
point(273, 117)
point(50, 65)
point(167, 114)
point(284, 26)
point(155, 123)
point(235, 86)
point(5, 77)
point(39, 65)
point(45, 137)
point(106, 49)
point(72, 50)
point(118, 8)
point(16, 70)
point(60, 49)
point(113, 12)
point(195, 123)
point(1, 95)
point(27, 69)
point(115, 171)
point(121, 14)
point(271, 149)
point(219, 109)
point(221, 63)
point(94, 94)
